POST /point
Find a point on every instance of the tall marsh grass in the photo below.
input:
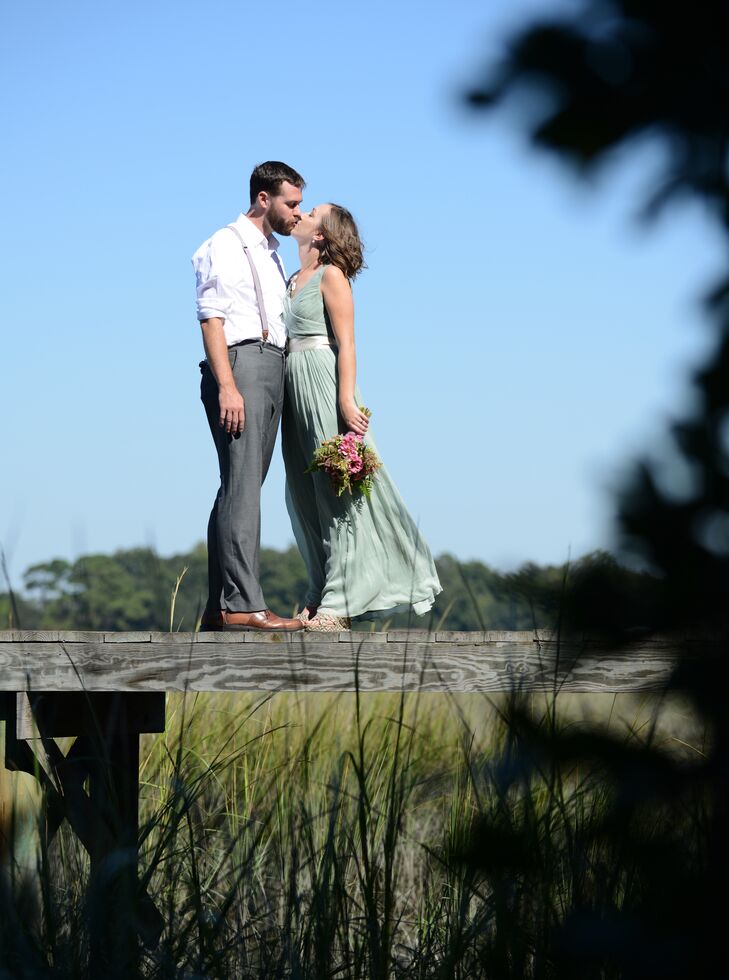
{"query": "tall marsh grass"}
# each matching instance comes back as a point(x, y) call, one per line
point(330, 836)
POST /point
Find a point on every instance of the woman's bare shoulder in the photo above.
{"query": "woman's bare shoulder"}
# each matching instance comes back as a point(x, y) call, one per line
point(333, 277)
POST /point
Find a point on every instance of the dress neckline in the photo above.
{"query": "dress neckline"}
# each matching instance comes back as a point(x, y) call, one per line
point(295, 291)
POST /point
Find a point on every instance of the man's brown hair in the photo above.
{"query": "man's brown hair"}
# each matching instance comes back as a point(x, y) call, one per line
point(270, 175)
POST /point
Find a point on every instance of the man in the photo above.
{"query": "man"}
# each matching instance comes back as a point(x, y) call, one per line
point(240, 288)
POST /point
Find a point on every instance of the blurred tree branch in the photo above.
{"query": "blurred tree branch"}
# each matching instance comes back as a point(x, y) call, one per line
point(638, 853)
point(623, 69)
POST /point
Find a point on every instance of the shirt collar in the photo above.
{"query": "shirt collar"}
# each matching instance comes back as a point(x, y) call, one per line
point(252, 236)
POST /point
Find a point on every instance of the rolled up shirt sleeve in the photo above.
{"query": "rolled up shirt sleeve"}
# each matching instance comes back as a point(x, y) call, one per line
point(215, 273)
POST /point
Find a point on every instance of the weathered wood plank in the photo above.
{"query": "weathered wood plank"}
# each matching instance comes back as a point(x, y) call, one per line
point(174, 637)
point(220, 637)
point(460, 636)
point(509, 636)
point(243, 636)
point(409, 636)
point(30, 636)
point(311, 665)
point(356, 638)
point(81, 636)
point(140, 636)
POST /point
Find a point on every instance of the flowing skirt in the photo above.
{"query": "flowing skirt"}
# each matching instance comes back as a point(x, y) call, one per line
point(365, 557)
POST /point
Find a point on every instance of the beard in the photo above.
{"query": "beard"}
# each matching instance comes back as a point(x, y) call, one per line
point(280, 223)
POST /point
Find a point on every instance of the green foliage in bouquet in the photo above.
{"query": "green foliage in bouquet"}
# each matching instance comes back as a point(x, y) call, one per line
point(349, 464)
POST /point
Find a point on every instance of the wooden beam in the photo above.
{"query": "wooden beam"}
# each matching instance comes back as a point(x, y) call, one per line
point(104, 755)
point(77, 713)
point(399, 660)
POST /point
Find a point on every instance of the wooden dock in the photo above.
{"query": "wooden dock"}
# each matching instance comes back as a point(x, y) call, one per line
point(106, 689)
point(415, 660)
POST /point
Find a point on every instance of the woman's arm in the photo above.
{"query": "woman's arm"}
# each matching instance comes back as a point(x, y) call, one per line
point(338, 300)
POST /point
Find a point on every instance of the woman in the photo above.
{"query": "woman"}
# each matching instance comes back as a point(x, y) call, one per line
point(364, 555)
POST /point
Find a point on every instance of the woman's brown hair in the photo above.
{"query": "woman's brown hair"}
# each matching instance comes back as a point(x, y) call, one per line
point(342, 245)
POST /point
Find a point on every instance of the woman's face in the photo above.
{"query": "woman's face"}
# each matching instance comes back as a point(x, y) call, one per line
point(308, 226)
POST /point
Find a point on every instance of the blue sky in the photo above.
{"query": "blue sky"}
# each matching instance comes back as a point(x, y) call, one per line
point(520, 336)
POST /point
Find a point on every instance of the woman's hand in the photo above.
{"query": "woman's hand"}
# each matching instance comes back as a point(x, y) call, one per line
point(354, 418)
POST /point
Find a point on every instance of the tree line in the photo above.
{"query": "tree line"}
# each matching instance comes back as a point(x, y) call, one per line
point(137, 588)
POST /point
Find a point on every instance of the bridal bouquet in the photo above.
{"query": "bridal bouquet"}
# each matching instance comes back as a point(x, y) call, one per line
point(349, 464)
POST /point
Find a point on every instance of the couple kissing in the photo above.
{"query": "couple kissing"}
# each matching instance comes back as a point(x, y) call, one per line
point(280, 350)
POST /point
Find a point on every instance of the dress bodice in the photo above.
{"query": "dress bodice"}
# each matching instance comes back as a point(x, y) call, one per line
point(304, 312)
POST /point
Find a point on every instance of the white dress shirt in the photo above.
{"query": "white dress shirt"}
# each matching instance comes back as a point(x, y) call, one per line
point(225, 283)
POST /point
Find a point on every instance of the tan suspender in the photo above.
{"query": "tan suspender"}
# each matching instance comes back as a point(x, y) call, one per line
point(256, 284)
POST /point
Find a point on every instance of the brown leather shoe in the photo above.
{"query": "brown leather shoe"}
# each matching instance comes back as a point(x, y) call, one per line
point(263, 621)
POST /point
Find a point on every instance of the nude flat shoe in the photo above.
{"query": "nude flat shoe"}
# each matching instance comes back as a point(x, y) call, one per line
point(322, 623)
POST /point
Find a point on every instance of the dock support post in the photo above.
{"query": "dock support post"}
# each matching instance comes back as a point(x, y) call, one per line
point(105, 757)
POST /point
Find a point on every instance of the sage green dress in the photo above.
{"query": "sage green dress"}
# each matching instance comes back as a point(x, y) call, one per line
point(365, 557)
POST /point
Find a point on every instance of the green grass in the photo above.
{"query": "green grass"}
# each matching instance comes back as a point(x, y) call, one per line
point(325, 836)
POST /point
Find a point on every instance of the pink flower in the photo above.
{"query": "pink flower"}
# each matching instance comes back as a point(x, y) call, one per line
point(345, 446)
point(347, 462)
point(349, 447)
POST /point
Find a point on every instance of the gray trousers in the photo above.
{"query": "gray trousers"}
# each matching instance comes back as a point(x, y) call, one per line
point(234, 528)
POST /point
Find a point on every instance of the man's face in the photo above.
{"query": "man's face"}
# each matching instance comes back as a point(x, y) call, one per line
point(284, 209)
